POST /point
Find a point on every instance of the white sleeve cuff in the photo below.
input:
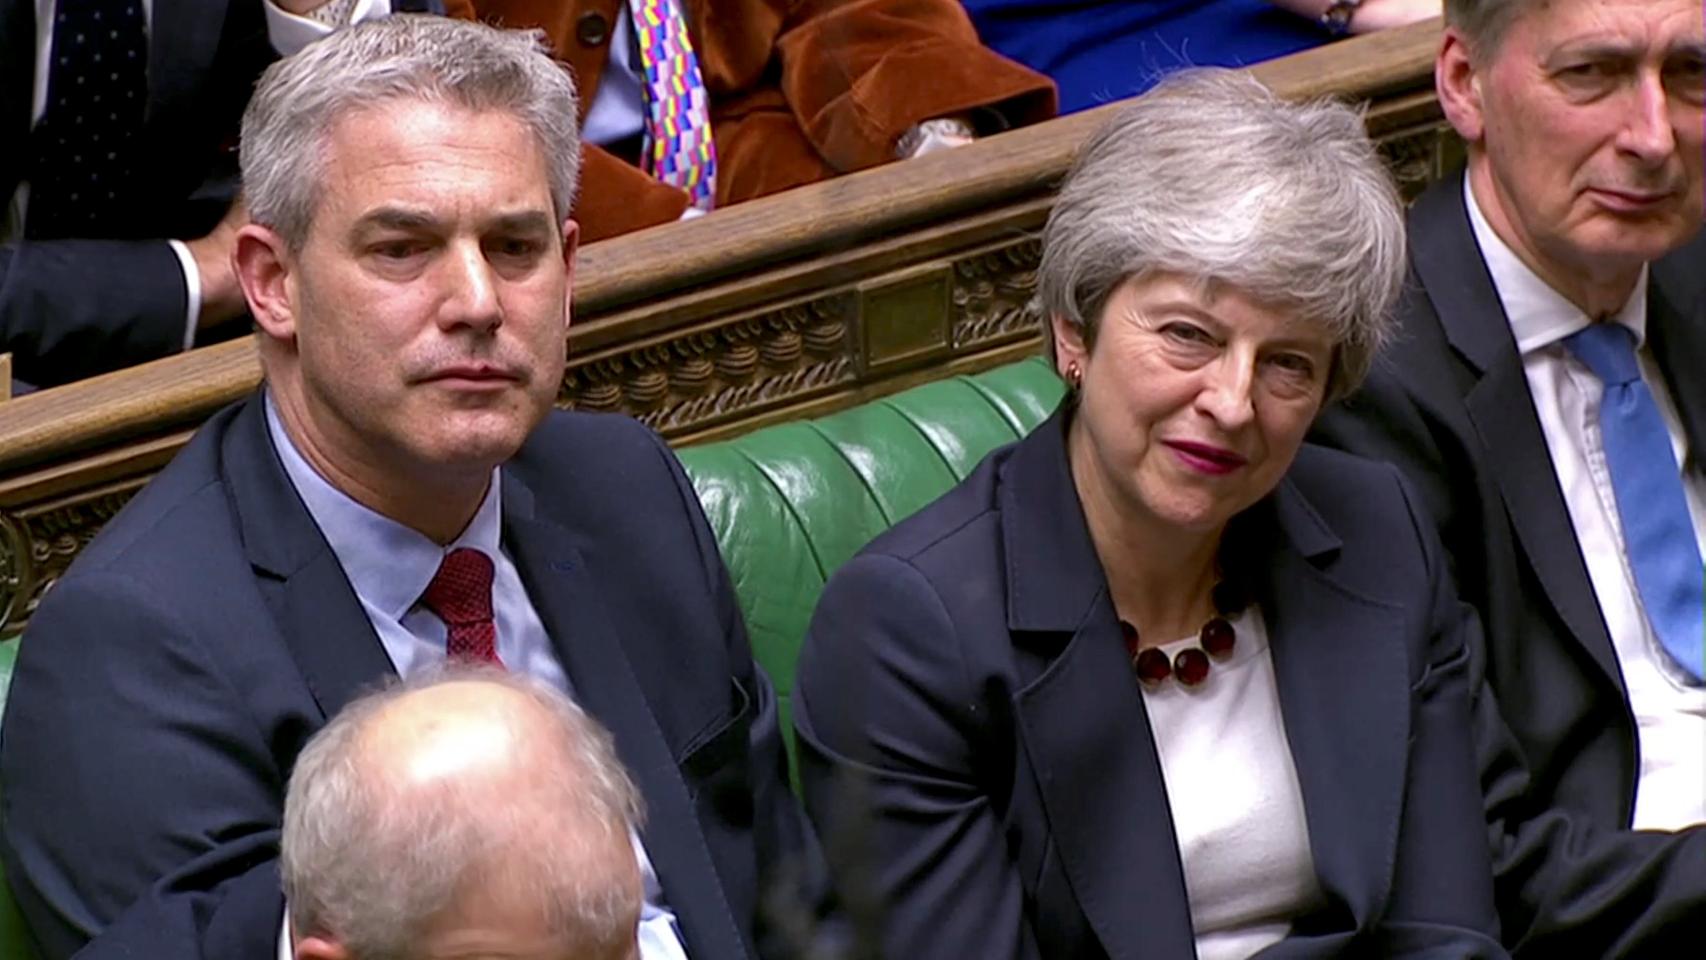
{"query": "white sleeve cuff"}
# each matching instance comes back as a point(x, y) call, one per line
point(285, 950)
point(192, 286)
point(289, 33)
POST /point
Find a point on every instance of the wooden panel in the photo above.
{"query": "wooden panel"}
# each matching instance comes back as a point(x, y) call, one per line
point(789, 306)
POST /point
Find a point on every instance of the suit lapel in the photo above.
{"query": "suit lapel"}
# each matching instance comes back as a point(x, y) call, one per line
point(316, 609)
point(566, 596)
point(1102, 790)
point(1343, 677)
point(183, 39)
point(1678, 339)
point(1449, 263)
point(1105, 795)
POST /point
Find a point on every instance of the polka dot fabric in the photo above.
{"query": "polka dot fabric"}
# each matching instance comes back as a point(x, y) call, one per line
point(85, 144)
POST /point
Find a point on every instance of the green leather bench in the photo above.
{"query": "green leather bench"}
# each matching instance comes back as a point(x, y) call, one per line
point(14, 941)
point(792, 502)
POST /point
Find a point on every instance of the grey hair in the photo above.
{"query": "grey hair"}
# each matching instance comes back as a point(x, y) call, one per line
point(404, 57)
point(1484, 23)
point(372, 869)
point(1212, 177)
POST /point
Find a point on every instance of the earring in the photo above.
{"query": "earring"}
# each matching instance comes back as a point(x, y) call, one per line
point(1074, 374)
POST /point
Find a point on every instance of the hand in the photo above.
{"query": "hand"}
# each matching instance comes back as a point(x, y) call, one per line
point(301, 8)
point(1376, 15)
point(221, 295)
point(939, 141)
point(930, 136)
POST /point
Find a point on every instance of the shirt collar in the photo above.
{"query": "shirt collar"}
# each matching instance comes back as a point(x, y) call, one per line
point(388, 564)
point(1539, 315)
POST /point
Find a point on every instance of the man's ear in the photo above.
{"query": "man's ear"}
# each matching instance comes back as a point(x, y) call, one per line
point(1457, 80)
point(264, 268)
point(571, 244)
point(320, 948)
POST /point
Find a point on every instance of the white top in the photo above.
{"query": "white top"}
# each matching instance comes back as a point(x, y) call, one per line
point(1236, 801)
point(1670, 712)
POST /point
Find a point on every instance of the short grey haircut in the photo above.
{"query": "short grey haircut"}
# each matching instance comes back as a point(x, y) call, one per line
point(1212, 177)
point(1484, 23)
point(371, 869)
point(404, 57)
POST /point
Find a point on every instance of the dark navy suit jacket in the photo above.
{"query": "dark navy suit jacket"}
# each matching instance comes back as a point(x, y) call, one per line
point(1449, 405)
point(168, 681)
point(966, 677)
point(72, 308)
point(77, 307)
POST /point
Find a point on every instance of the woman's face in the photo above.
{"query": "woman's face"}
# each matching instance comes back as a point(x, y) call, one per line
point(1192, 403)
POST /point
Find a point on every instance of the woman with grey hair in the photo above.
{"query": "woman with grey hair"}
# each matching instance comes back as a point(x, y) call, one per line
point(1161, 680)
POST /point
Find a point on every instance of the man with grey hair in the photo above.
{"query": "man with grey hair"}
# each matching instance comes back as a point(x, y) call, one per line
point(1544, 395)
point(470, 810)
point(397, 494)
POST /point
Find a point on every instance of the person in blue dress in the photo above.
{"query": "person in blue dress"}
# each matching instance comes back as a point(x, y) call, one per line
point(1099, 51)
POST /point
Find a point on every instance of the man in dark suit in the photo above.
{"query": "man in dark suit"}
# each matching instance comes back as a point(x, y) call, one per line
point(398, 492)
point(1577, 217)
point(138, 266)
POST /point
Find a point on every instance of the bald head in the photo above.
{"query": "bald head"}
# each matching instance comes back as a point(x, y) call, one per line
point(470, 813)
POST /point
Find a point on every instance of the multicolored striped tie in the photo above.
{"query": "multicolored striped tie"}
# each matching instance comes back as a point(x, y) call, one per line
point(678, 148)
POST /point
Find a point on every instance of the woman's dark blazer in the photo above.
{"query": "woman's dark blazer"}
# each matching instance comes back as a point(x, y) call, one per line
point(974, 744)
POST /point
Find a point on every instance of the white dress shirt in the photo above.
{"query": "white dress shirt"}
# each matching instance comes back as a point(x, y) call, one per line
point(617, 110)
point(389, 566)
point(1236, 801)
point(1670, 712)
point(287, 32)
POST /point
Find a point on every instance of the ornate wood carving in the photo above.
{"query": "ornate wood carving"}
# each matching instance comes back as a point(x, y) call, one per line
point(721, 370)
point(38, 543)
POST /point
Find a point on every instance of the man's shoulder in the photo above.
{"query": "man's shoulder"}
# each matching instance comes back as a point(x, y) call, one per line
point(173, 554)
point(609, 478)
point(182, 511)
point(590, 454)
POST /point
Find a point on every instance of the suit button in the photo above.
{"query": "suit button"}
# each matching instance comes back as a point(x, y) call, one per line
point(592, 29)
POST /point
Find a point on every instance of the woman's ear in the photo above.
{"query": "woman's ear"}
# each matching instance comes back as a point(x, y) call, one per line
point(1071, 357)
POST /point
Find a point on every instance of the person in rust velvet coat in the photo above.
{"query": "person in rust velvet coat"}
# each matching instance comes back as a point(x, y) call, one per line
point(801, 90)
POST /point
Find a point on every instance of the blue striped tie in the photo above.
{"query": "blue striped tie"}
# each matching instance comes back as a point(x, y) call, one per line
point(1657, 532)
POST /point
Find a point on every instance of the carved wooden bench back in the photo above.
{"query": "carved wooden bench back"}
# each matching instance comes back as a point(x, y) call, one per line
point(793, 305)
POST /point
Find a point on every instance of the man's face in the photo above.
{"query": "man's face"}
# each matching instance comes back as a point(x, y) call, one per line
point(429, 301)
point(1589, 118)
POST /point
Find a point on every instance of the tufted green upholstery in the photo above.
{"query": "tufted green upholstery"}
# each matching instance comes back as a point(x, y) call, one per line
point(792, 502)
point(14, 942)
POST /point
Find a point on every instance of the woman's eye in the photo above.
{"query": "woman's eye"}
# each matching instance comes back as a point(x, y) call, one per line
point(1186, 333)
point(1295, 363)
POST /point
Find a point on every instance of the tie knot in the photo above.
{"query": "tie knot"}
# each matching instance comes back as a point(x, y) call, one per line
point(461, 590)
point(1608, 349)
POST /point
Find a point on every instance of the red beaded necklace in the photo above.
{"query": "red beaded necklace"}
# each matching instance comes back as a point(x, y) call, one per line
point(1191, 665)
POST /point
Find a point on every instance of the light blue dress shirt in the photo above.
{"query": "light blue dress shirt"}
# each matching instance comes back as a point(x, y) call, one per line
point(389, 566)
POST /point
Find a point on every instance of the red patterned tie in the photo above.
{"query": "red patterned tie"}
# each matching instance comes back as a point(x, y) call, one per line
point(461, 595)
